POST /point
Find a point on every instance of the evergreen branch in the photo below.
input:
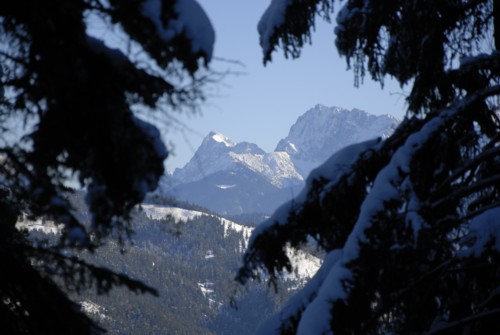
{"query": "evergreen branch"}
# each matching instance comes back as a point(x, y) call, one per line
point(483, 209)
point(459, 323)
point(14, 59)
point(466, 190)
point(471, 164)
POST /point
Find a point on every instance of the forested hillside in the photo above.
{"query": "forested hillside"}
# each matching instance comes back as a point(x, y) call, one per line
point(190, 257)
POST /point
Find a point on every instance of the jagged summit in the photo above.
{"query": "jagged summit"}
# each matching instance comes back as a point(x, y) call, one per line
point(218, 153)
point(234, 178)
point(321, 131)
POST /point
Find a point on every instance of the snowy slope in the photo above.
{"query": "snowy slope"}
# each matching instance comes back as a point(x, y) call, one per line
point(305, 265)
point(234, 191)
point(191, 258)
point(218, 153)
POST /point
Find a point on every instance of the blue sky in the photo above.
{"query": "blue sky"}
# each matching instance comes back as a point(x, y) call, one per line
point(261, 105)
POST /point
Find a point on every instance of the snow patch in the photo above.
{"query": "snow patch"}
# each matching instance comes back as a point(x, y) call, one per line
point(218, 153)
point(217, 137)
point(40, 225)
point(209, 254)
point(191, 20)
point(208, 290)
point(160, 212)
point(92, 308)
point(483, 230)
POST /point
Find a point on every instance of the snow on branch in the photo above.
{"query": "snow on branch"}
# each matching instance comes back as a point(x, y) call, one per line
point(316, 317)
point(288, 23)
point(273, 17)
point(332, 170)
point(191, 20)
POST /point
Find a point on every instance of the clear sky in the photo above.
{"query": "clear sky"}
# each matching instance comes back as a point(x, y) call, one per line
point(261, 105)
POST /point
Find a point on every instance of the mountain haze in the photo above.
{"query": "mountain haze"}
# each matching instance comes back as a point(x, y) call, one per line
point(235, 178)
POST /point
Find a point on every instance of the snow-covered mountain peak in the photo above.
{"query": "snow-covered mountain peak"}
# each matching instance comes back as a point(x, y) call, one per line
point(219, 138)
point(235, 178)
point(211, 156)
point(218, 153)
point(321, 131)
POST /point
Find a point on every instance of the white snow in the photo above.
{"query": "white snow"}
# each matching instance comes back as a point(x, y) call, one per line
point(206, 288)
point(304, 265)
point(293, 147)
point(346, 13)
point(233, 226)
point(212, 156)
point(316, 317)
point(273, 18)
point(483, 229)
point(115, 54)
point(302, 299)
point(218, 137)
point(328, 287)
point(218, 153)
point(90, 307)
point(315, 136)
point(46, 227)
point(192, 20)
point(340, 161)
point(209, 254)
point(328, 283)
point(322, 131)
point(277, 167)
point(160, 212)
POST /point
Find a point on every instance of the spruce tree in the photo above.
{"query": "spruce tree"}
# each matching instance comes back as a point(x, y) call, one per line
point(79, 98)
point(410, 224)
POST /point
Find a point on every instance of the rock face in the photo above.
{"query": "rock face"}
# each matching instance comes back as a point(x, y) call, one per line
point(235, 178)
point(322, 131)
point(218, 153)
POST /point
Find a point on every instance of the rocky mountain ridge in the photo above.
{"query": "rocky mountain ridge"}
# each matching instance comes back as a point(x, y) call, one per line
point(235, 178)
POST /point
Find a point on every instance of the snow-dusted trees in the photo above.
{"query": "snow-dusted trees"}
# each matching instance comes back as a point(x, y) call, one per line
point(78, 97)
point(411, 225)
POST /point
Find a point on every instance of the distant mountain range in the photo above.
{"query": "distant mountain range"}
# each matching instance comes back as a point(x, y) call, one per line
point(234, 178)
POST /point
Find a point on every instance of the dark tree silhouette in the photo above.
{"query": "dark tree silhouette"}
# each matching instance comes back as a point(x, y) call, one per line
point(79, 96)
point(410, 224)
